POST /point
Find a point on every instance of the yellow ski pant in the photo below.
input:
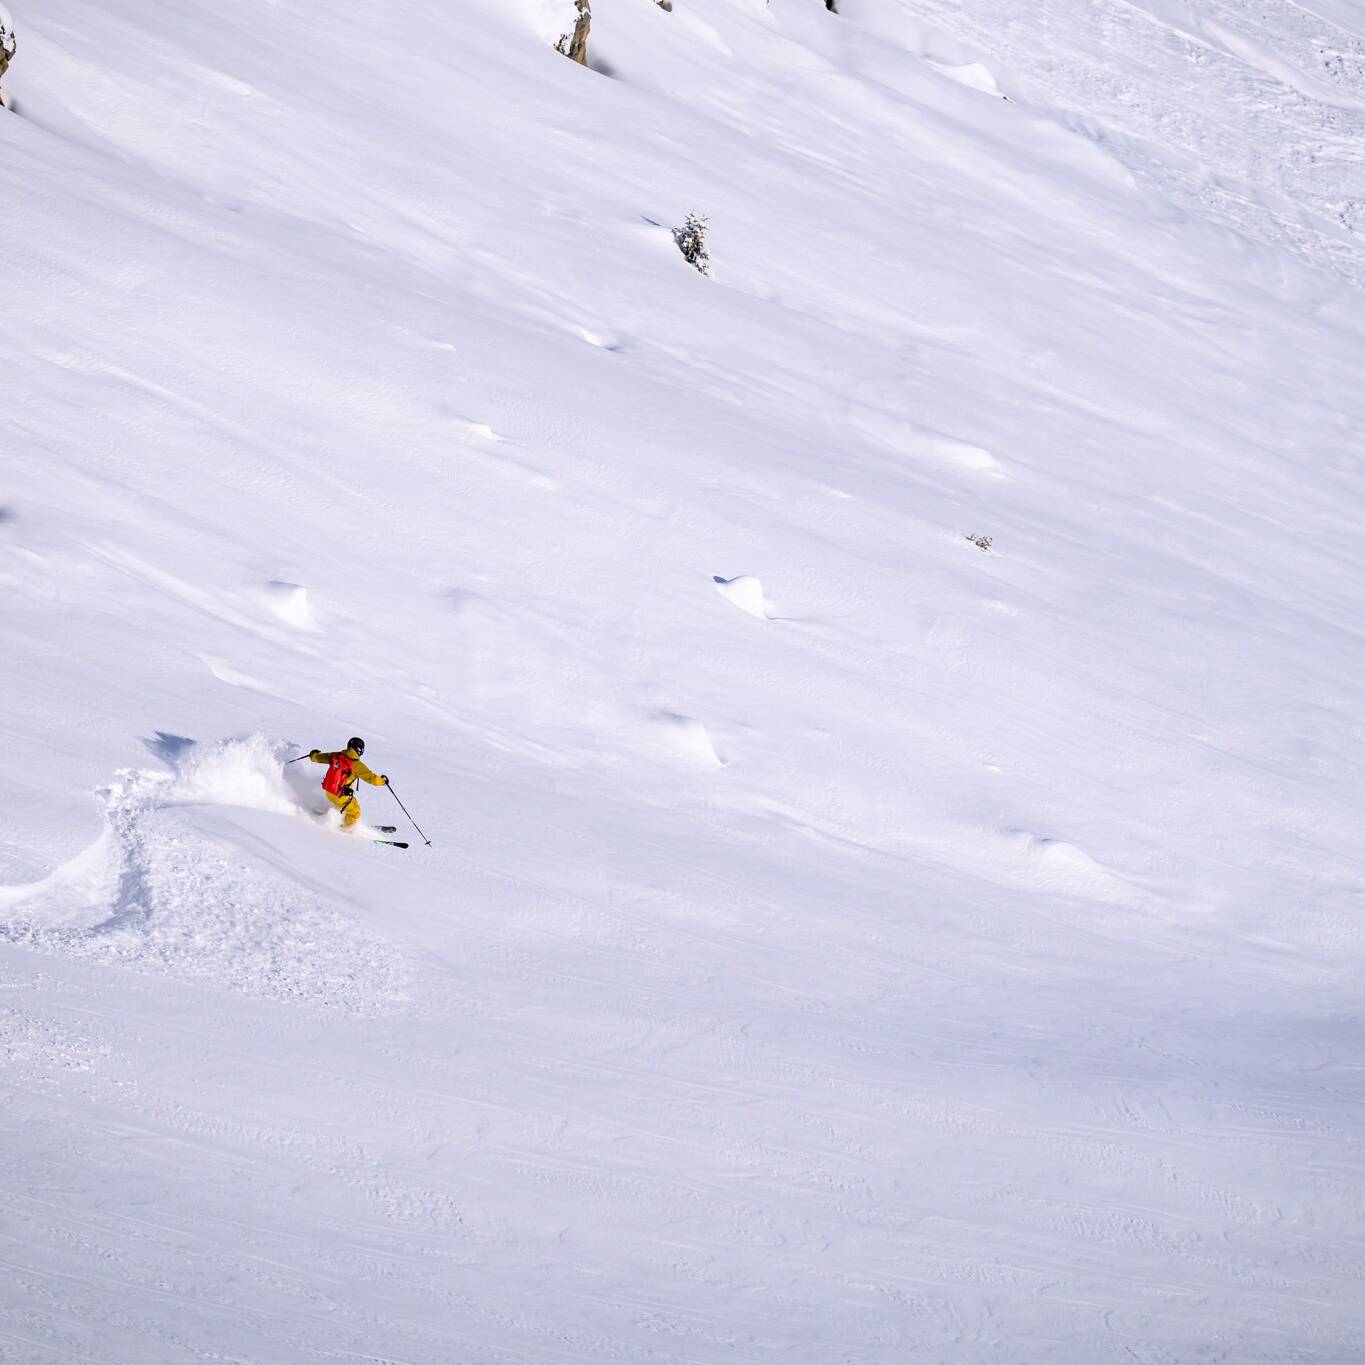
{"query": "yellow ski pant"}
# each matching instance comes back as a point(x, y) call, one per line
point(348, 806)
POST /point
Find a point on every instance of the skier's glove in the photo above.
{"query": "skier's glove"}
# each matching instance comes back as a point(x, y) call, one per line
point(312, 753)
point(383, 780)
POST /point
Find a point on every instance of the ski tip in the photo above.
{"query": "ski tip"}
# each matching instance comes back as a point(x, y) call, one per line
point(392, 843)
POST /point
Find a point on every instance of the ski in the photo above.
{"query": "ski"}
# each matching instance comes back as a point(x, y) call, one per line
point(392, 843)
point(386, 829)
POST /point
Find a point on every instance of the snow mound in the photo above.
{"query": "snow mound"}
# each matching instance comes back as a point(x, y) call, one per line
point(604, 340)
point(746, 592)
point(974, 75)
point(686, 740)
point(1056, 866)
point(973, 458)
point(902, 434)
point(233, 677)
point(289, 602)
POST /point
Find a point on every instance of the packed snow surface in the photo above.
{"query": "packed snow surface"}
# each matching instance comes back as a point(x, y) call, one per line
point(955, 956)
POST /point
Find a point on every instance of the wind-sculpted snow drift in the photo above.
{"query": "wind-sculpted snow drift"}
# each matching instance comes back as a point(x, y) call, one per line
point(886, 713)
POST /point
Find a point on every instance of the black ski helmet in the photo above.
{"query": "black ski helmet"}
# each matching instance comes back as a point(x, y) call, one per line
point(357, 744)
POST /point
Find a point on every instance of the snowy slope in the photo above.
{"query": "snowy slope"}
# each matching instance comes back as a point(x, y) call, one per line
point(902, 953)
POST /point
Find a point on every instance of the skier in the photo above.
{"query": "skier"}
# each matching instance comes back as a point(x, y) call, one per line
point(343, 768)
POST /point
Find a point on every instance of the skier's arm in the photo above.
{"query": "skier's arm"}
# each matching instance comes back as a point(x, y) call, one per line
point(366, 775)
point(317, 756)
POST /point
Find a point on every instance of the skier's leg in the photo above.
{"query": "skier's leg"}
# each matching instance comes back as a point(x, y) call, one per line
point(349, 808)
point(350, 814)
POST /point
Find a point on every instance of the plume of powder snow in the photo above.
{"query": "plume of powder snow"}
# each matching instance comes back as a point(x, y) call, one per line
point(233, 772)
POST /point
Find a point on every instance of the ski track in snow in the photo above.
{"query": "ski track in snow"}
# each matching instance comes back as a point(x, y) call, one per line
point(953, 956)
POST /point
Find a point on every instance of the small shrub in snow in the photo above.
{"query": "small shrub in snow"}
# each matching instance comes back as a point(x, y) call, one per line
point(691, 240)
point(982, 543)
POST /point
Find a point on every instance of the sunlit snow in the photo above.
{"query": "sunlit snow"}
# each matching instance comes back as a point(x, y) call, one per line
point(887, 715)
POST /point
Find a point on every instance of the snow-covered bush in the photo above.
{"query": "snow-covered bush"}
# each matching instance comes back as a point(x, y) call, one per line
point(982, 543)
point(691, 240)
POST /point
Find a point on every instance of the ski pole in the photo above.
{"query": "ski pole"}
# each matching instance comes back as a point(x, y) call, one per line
point(299, 759)
point(404, 809)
